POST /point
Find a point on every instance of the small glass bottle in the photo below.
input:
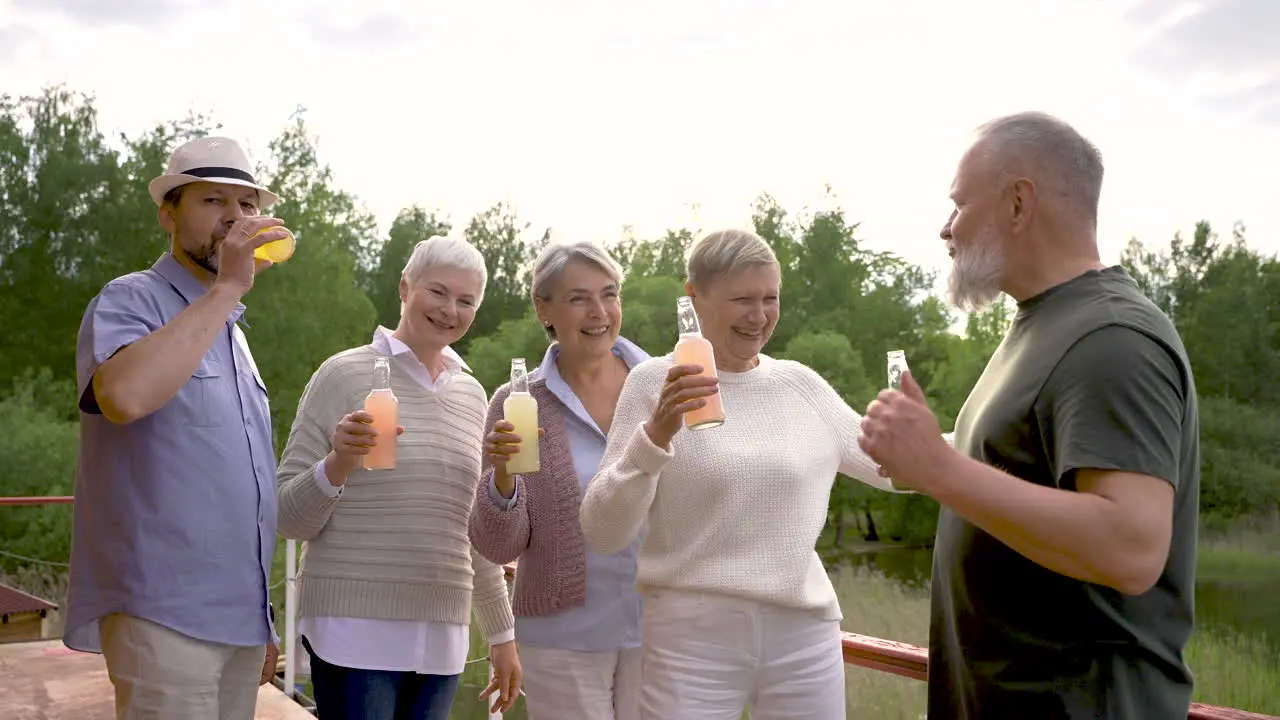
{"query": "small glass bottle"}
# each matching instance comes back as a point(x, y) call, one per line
point(692, 348)
point(521, 410)
point(382, 404)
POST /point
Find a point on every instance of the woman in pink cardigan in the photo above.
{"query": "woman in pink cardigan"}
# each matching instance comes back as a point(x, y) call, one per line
point(577, 612)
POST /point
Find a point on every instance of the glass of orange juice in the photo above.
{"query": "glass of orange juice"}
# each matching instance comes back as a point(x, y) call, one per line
point(277, 251)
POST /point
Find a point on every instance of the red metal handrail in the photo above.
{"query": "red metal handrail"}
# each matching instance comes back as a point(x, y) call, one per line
point(913, 662)
point(52, 500)
point(865, 651)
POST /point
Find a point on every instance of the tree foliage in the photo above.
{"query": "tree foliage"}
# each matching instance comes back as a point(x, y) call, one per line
point(74, 213)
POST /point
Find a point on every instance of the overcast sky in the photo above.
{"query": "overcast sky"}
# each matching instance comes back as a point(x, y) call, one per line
point(596, 114)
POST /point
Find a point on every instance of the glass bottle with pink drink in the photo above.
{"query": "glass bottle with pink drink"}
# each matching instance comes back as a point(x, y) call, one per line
point(692, 348)
point(382, 404)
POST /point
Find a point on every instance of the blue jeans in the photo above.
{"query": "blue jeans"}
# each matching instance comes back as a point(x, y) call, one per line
point(343, 693)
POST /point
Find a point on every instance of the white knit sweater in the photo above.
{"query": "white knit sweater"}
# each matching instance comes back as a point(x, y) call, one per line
point(735, 509)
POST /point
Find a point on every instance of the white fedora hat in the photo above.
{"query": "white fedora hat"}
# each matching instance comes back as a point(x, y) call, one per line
point(209, 159)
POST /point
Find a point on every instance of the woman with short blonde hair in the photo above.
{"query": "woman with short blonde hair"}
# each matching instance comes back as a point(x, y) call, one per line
point(739, 611)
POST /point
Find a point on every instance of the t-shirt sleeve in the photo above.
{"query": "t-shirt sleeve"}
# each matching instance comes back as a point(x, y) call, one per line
point(120, 315)
point(1114, 402)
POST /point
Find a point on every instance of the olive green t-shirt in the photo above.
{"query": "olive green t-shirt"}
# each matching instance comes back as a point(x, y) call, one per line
point(1090, 375)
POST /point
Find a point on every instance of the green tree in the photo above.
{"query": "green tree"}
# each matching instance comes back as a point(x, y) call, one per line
point(37, 449)
point(664, 256)
point(308, 308)
point(382, 284)
point(1224, 299)
point(500, 237)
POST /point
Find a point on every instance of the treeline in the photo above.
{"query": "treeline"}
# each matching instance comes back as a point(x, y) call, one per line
point(75, 213)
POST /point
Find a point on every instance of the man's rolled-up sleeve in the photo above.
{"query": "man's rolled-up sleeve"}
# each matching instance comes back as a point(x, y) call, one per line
point(122, 314)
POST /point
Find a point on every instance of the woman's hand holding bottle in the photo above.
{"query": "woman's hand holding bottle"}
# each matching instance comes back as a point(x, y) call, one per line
point(499, 445)
point(683, 391)
point(352, 439)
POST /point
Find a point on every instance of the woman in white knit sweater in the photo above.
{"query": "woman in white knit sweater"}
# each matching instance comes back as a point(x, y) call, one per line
point(738, 609)
point(389, 578)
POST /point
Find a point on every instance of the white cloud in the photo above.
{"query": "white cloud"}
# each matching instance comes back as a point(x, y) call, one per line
point(594, 115)
point(105, 12)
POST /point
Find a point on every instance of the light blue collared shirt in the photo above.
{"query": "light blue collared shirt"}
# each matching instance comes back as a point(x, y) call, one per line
point(175, 513)
point(609, 620)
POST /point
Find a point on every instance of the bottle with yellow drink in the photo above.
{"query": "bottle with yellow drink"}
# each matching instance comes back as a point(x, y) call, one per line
point(521, 410)
point(277, 251)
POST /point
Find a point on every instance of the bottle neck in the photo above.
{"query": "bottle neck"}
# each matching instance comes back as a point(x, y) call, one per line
point(519, 381)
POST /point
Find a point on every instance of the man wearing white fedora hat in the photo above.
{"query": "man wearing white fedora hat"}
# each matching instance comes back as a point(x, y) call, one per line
point(175, 512)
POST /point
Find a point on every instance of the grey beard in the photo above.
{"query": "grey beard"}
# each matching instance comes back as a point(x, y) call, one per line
point(971, 297)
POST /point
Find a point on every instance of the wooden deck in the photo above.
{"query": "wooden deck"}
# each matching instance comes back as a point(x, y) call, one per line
point(46, 681)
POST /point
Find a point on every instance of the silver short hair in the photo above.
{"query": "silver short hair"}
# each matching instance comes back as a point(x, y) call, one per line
point(553, 259)
point(723, 251)
point(1066, 164)
point(440, 250)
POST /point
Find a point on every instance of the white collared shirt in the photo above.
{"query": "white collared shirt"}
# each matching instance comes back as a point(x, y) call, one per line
point(430, 648)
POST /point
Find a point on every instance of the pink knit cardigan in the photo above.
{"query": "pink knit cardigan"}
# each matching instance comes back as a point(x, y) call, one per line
point(542, 529)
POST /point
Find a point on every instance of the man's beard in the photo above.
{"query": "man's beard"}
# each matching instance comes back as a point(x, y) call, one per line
point(207, 256)
point(976, 272)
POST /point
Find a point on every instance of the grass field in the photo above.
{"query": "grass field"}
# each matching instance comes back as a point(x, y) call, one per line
point(1230, 669)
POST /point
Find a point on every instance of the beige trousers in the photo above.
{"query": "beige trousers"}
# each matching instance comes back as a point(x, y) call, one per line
point(160, 674)
point(571, 685)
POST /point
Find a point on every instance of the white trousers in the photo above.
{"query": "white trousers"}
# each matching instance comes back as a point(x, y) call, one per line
point(707, 656)
point(161, 674)
point(571, 685)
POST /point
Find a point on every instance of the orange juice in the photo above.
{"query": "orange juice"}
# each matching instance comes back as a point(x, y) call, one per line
point(277, 251)
point(697, 349)
point(381, 403)
point(692, 348)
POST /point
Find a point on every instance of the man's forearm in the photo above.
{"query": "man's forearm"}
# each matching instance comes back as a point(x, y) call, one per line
point(1071, 533)
point(142, 377)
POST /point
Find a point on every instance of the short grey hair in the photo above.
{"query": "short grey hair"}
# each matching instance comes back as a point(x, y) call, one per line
point(723, 251)
point(1064, 163)
point(553, 259)
point(440, 250)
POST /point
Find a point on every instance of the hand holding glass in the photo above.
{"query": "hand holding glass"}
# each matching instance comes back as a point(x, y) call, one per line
point(277, 251)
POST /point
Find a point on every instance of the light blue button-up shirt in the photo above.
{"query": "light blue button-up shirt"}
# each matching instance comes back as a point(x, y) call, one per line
point(175, 513)
point(609, 620)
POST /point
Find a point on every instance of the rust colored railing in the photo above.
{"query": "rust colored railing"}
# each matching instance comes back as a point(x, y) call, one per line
point(913, 662)
point(865, 651)
point(54, 500)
